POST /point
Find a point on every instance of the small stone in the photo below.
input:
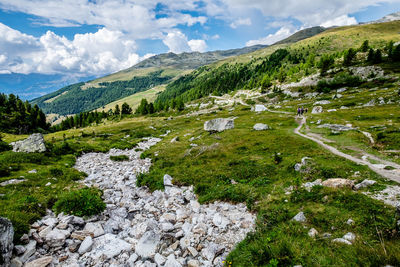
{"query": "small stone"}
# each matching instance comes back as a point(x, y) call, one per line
point(32, 171)
point(24, 239)
point(18, 249)
point(86, 245)
point(172, 262)
point(147, 245)
point(350, 222)
point(300, 217)
point(341, 241)
point(41, 262)
point(74, 246)
point(16, 263)
point(81, 235)
point(94, 228)
point(349, 237)
point(364, 184)
point(168, 180)
point(159, 259)
point(193, 263)
point(192, 251)
point(312, 233)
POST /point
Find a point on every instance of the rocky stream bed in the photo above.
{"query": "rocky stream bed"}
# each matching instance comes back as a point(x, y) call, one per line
point(138, 228)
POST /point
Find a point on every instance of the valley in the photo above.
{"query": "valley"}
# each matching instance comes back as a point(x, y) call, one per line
point(231, 177)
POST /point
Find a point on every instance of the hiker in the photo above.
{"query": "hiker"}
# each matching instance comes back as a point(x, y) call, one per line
point(301, 110)
point(306, 110)
point(298, 111)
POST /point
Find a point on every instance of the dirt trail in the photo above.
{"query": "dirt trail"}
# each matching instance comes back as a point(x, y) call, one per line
point(393, 175)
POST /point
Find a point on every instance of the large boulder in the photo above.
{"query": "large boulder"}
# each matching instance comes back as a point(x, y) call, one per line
point(338, 183)
point(218, 125)
point(33, 144)
point(260, 108)
point(260, 127)
point(317, 109)
point(6, 241)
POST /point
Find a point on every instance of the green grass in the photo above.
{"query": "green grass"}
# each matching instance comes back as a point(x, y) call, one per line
point(119, 158)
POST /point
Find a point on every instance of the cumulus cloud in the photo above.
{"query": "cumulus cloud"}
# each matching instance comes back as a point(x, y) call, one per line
point(240, 22)
point(281, 34)
point(101, 52)
point(177, 42)
point(340, 21)
point(197, 45)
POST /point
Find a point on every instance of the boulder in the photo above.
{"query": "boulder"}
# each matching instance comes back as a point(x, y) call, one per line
point(30, 250)
point(322, 102)
point(364, 184)
point(6, 241)
point(260, 127)
point(300, 217)
point(338, 183)
point(41, 262)
point(172, 262)
point(33, 144)
point(219, 125)
point(148, 244)
point(316, 110)
point(259, 108)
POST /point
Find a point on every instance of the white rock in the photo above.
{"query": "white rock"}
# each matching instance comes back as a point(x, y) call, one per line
point(41, 262)
point(148, 244)
point(30, 250)
point(95, 228)
point(219, 125)
point(349, 237)
point(300, 217)
point(56, 237)
point(172, 262)
point(341, 241)
point(260, 127)
point(364, 184)
point(193, 263)
point(316, 110)
point(350, 222)
point(159, 259)
point(259, 108)
point(312, 233)
point(86, 245)
point(108, 246)
point(167, 180)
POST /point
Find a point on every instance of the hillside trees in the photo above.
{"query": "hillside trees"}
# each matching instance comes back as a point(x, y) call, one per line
point(349, 56)
point(20, 117)
point(325, 63)
point(126, 109)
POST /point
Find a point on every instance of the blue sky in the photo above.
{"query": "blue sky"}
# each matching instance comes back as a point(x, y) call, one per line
point(47, 44)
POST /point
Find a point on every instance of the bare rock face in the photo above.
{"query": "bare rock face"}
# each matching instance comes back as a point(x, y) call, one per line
point(6, 241)
point(218, 125)
point(33, 144)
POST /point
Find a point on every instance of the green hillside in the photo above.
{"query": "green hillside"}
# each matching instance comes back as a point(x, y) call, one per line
point(276, 64)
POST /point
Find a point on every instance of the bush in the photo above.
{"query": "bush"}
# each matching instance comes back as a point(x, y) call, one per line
point(4, 146)
point(119, 158)
point(82, 202)
point(56, 172)
point(62, 149)
point(4, 170)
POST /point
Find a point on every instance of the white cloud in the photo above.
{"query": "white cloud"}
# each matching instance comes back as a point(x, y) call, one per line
point(177, 42)
point(198, 45)
point(340, 21)
point(281, 34)
point(240, 22)
point(96, 53)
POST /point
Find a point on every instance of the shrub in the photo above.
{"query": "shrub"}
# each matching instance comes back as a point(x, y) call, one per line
point(82, 202)
point(119, 158)
point(62, 149)
point(4, 170)
point(56, 172)
point(4, 146)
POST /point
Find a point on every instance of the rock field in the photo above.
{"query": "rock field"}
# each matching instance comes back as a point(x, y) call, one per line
point(139, 227)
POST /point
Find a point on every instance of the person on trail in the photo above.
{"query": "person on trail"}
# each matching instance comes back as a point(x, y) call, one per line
point(306, 110)
point(298, 111)
point(302, 111)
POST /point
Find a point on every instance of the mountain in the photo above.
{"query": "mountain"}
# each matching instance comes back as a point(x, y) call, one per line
point(273, 64)
point(301, 35)
point(154, 71)
point(388, 18)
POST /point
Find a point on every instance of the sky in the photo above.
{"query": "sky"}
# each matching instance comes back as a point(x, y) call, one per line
point(47, 44)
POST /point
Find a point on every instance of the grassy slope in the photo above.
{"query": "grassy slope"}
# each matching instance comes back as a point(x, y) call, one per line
point(134, 100)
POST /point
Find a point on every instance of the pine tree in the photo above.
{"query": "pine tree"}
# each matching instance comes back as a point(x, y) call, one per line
point(349, 56)
point(365, 46)
point(117, 111)
point(126, 109)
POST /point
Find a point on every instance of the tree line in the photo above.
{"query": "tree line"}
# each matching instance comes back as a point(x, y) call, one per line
point(19, 117)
